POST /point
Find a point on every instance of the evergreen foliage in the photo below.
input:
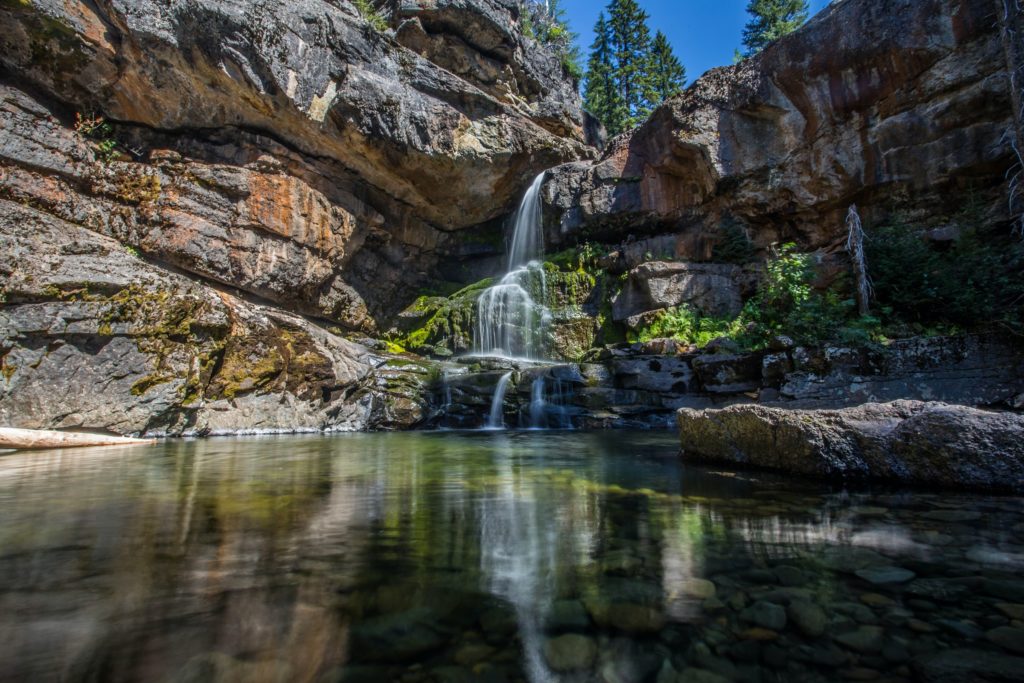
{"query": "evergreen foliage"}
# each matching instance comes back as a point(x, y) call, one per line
point(628, 73)
point(770, 20)
point(668, 75)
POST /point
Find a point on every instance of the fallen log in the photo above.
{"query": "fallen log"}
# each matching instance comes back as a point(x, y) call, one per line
point(44, 438)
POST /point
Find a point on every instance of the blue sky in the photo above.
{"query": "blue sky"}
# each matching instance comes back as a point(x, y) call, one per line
point(703, 33)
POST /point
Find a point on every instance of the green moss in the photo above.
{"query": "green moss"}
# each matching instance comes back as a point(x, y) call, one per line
point(148, 382)
point(138, 189)
point(449, 321)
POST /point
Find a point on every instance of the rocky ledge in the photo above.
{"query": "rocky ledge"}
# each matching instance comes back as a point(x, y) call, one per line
point(916, 442)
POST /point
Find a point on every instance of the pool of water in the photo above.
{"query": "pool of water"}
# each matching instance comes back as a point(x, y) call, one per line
point(534, 556)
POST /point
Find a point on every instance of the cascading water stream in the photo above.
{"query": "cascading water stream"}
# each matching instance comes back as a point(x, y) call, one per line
point(496, 420)
point(510, 321)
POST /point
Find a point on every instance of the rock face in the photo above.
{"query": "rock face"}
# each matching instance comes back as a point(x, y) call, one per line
point(711, 288)
point(895, 105)
point(94, 337)
point(181, 181)
point(908, 441)
point(268, 143)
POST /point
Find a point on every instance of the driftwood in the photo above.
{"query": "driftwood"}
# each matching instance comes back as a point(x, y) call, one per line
point(42, 438)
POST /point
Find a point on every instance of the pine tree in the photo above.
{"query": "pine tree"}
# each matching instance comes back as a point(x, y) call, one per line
point(628, 74)
point(770, 20)
point(668, 75)
point(600, 94)
point(631, 46)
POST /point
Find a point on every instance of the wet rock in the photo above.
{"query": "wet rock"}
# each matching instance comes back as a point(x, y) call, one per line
point(728, 374)
point(967, 666)
point(808, 618)
point(909, 441)
point(633, 618)
point(880, 576)
point(698, 588)
point(865, 639)
point(398, 637)
point(570, 652)
point(693, 675)
point(710, 288)
point(1007, 637)
point(766, 615)
point(567, 615)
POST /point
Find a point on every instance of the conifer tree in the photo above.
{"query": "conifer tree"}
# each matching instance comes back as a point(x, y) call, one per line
point(668, 75)
point(600, 94)
point(770, 20)
point(628, 74)
point(631, 46)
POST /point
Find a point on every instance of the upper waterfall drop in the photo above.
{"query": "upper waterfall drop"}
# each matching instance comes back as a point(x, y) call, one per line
point(528, 237)
point(511, 315)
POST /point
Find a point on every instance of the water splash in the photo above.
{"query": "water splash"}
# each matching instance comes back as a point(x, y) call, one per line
point(512, 319)
point(548, 404)
point(496, 420)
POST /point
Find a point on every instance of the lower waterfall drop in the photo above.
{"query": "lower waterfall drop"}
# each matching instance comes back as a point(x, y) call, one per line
point(512, 318)
point(496, 420)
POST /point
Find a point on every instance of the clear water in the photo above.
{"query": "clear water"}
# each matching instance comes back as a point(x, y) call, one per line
point(501, 556)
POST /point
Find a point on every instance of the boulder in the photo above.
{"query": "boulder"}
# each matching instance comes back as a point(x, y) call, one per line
point(710, 288)
point(909, 441)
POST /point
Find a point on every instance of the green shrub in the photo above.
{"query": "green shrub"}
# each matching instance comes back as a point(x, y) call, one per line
point(686, 325)
point(976, 281)
point(734, 246)
point(371, 15)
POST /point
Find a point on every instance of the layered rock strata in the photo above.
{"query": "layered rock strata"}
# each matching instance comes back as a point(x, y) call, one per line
point(898, 106)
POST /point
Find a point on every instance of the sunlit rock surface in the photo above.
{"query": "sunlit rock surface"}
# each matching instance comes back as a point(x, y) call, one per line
point(895, 105)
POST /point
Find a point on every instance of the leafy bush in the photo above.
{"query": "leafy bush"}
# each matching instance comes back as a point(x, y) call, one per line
point(686, 325)
point(734, 246)
point(371, 15)
point(973, 282)
point(97, 129)
point(786, 302)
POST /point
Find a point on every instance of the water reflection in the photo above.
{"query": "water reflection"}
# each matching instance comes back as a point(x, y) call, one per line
point(461, 557)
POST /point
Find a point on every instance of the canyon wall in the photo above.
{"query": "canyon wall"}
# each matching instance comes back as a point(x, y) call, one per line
point(902, 107)
point(179, 179)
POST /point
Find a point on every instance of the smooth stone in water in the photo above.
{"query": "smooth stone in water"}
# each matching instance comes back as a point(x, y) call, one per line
point(698, 588)
point(567, 615)
point(1009, 638)
point(866, 639)
point(765, 614)
point(952, 516)
point(1011, 610)
point(790, 576)
point(880, 576)
point(808, 618)
point(967, 666)
point(633, 618)
point(701, 676)
point(570, 652)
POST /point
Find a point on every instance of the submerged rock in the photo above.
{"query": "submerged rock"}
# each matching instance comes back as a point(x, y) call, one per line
point(909, 441)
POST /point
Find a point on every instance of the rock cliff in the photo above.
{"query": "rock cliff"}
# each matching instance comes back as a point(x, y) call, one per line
point(899, 106)
point(180, 181)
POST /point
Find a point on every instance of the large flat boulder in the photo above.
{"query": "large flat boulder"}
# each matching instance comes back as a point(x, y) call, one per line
point(908, 441)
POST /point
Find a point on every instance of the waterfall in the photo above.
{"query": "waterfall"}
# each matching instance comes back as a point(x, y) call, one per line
point(497, 419)
point(528, 236)
point(549, 398)
point(512, 319)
